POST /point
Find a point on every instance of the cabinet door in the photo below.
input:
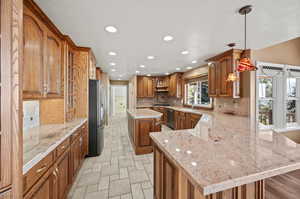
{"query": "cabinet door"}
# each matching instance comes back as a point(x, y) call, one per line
point(140, 85)
point(225, 67)
point(150, 87)
point(45, 188)
point(144, 127)
point(170, 180)
point(75, 156)
point(158, 171)
point(53, 65)
point(85, 140)
point(33, 70)
point(62, 166)
point(212, 81)
point(172, 85)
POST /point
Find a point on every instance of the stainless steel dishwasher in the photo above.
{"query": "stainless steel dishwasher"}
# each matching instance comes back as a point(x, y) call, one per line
point(170, 118)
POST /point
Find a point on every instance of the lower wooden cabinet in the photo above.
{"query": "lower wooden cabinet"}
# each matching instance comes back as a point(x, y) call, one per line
point(85, 141)
point(53, 176)
point(139, 133)
point(186, 120)
point(63, 175)
point(165, 177)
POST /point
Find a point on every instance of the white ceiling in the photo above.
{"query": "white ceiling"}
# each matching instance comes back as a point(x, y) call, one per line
point(203, 27)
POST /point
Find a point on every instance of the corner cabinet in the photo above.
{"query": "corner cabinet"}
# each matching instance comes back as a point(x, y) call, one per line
point(43, 70)
point(145, 87)
point(218, 72)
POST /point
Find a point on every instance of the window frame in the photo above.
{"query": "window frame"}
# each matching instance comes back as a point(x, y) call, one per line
point(279, 84)
point(186, 83)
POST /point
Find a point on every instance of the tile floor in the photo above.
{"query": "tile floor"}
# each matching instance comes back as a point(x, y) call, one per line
point(118, 173)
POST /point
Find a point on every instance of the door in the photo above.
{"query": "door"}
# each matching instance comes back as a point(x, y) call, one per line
point(45, 188)
point(170, 180)
point(119, 99)
point(158, 171)
point(62, 169)
point(144, 127)
point(75, 156)
point(225, 66)
point(212, 80)
point(53, 65)
point(33, 57)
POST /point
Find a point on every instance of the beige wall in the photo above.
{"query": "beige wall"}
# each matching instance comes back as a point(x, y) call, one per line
point(284, 53)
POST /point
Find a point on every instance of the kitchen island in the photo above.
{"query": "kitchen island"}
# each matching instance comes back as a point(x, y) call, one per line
point(140, 123)
point(222, 157)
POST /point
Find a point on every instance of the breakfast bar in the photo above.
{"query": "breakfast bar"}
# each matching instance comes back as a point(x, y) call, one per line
point(222, 157)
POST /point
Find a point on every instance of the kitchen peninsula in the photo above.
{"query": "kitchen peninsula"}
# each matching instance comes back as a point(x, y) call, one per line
point(222, 157)
point(140, 123)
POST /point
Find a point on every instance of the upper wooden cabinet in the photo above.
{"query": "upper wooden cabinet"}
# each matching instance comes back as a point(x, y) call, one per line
point(175, 85)
point(218, 72)
point(145, 86)
point(53, 65)
point(43, 70)
point(92, 66)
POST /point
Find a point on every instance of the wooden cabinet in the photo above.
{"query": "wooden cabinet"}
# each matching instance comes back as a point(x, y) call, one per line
point(139, 133)
point(192, 120)
point(145, 87)
point(185, 120)
point(175, 85)
point(76, 156)
point(85, 141)
point(163, 111)
point(42, 55)
point(33, 56)
point(162, 84)
point(45, 188)
point(71, 100)
point(165, 177)
point(223, 64)
point(53, 67)
point(92, 66)
point(63, 175)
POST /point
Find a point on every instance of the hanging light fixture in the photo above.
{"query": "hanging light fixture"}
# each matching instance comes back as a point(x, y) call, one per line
point(245, 62)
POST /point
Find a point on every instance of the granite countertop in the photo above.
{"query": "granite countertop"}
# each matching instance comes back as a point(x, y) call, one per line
point(223, 152)
point(144, 113)
point(178, 108)
point(41, 140)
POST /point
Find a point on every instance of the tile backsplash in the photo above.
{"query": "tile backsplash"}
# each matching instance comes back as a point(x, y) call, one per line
point(31, 114)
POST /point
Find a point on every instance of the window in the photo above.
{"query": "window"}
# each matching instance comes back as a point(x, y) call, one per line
point(196, 93)
point(278, 96)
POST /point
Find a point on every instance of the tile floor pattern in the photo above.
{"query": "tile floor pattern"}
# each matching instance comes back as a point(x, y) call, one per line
point(118, 173)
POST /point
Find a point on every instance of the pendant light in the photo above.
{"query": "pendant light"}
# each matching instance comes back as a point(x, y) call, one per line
point(233, 76)
point(245, 62)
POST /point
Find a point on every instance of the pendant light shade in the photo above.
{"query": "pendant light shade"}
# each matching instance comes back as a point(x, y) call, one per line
point(245, 62)
point(232, 77)
point(245, 65)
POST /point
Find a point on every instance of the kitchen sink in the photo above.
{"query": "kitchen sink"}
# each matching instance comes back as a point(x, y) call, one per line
point(293, 135)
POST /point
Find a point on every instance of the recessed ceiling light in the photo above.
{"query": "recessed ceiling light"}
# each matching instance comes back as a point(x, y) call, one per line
point(177, 68)
point(112, 53)
point(149, 75)
point(137, 71)
point(189, 67)
point(142, 66)
point(193, 62)
point(112, 64)
point(150, 57)
point(113, 70)
point(111, 29)
point(167, 73)
point(168, 38)
point(185, 52)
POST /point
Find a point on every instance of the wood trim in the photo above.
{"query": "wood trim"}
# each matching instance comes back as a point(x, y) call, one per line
point(186, 79)
point(43, 17)
point(224, 54)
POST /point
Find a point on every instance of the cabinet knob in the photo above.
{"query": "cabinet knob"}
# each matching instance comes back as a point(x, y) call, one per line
point(41, 169)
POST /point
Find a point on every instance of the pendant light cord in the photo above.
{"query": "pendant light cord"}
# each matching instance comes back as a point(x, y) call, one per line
point(245, 31)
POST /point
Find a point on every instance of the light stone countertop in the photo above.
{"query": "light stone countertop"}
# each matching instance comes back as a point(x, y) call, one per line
point(223, 152)
point(144, 113)
point(38, 142)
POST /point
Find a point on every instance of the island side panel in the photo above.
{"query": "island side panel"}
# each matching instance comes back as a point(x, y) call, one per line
point(170, 182)
point(139, 132)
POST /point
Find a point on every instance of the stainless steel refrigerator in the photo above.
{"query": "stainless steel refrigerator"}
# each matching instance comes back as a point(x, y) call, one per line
point(96, 118)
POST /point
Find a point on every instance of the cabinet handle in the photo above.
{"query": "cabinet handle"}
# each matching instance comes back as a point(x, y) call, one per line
point(41, 169)
point(63, 147)
point(57, 171)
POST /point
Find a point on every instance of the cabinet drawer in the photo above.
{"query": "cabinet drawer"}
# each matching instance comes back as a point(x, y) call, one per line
point(62, 147)
point(75, 135)
point(37, 171)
